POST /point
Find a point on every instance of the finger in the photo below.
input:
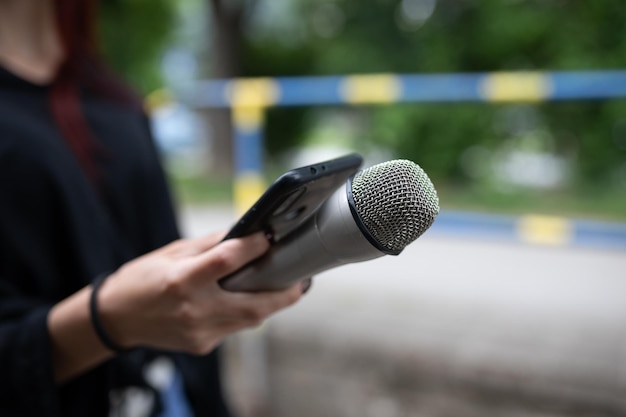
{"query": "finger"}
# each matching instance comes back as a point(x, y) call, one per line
point(204, 243)
point(193, 246)
point(228, 256)
point(255, 307)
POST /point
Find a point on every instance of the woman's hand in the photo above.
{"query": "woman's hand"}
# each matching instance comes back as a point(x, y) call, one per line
point(171, 298)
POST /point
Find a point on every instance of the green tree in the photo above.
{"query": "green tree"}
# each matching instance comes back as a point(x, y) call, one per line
point(134, 34)
point(426, 36)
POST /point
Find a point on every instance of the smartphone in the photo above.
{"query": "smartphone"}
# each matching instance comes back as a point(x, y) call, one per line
point(294, 196)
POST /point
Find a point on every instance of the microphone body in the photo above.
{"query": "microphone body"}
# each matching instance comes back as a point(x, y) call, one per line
point(380, 211)
point(330, 238)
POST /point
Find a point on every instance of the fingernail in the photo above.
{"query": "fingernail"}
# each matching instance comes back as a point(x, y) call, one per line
point(269, 236)
point(306, 285)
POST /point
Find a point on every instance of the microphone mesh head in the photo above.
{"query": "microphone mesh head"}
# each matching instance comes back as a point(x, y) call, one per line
point(396, 201)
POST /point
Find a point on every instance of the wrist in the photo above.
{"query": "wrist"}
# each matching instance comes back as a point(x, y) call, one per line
point(98, 320)
point(75, 345)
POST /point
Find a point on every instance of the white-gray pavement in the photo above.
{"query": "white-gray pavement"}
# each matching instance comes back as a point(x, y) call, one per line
point(506, 278)
point(549, 316)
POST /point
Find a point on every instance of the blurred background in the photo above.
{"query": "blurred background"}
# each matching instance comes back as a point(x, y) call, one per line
point(512, 304)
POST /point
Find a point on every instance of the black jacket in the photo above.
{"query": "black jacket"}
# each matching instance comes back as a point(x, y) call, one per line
point(58, 232)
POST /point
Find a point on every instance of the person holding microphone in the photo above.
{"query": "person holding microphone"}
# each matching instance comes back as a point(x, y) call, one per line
point(95, 282)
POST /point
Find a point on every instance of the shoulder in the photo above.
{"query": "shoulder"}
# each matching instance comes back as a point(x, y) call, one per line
point(24, 121)
point(22, 104)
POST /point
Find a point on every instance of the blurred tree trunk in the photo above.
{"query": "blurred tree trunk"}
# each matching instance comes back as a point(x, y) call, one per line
point(226, 24)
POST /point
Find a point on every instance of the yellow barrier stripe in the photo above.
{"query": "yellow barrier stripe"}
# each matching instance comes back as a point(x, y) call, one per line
point(158, 98)
point(376, 88)
point(248, 187)
point(516, 86)
point(248, 119)
point(545, 230)
point(253, 92)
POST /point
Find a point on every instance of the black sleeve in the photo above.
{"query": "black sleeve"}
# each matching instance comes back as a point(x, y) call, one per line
point(27, 386)
point(34, 273)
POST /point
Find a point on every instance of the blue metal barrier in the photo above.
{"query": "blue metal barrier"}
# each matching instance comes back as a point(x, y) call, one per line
point(523, 86)
point(249, 97)
point(533, 229)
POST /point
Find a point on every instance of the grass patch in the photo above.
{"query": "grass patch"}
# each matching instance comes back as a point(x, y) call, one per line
point(579, 203)
point(599, 204)
point(201, 190)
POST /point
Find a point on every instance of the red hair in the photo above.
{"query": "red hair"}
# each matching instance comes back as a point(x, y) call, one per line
point(82, 68)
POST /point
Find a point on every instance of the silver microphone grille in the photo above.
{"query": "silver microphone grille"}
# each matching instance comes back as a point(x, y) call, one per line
point(396, 201)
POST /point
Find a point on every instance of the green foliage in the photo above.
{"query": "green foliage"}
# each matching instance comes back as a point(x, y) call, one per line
point(284, 125)
point(350, 36)
point(133, 34)
point(430, 134)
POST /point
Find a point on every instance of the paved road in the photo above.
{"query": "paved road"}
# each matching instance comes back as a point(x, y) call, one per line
point(525, 281)
point(553, 315)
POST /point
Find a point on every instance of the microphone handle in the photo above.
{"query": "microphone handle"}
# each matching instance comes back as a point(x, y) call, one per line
point(328, 239)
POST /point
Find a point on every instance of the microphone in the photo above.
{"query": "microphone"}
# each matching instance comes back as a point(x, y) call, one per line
point(381, 210)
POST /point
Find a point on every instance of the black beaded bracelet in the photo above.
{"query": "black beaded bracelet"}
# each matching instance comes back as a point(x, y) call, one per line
point(95, 317)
